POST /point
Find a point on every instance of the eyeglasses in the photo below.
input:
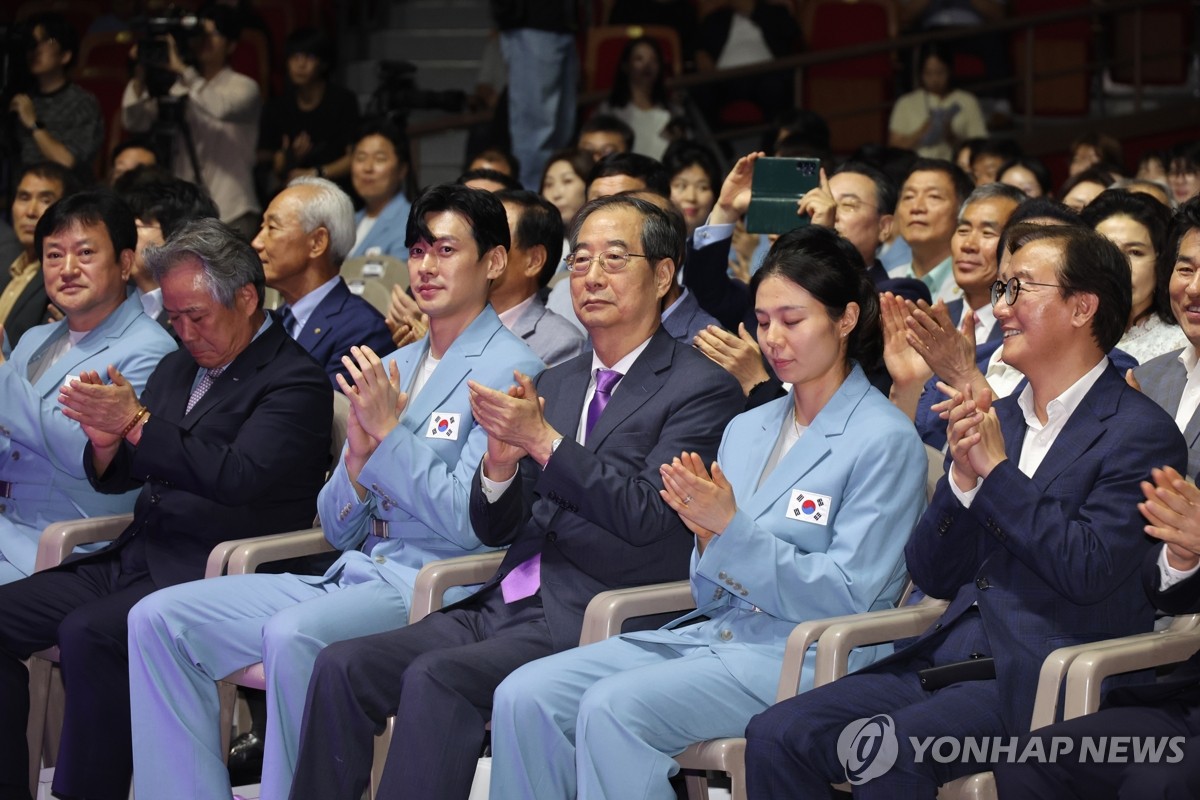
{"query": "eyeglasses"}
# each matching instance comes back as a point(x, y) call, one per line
point(610, 261)
point(1012, 288)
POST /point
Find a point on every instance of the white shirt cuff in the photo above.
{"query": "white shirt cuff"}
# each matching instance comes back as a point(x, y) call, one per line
point(493, 489)
point(963, 497)
point(1168, 576)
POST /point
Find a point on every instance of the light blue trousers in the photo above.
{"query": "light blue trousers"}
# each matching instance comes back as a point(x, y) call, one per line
point(604, 721)
point(183, 638)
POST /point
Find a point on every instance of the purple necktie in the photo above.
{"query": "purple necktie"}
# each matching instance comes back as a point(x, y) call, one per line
point(606, 381)
point(206, 382)
point(523, 581)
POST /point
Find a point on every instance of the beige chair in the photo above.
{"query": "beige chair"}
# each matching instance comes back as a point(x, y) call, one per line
point(386, 270)
point(838, 640)
point(604, 616)
point(45, 680)
point(728, 755)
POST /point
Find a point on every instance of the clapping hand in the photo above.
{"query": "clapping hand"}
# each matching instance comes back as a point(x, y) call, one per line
point(705, 503)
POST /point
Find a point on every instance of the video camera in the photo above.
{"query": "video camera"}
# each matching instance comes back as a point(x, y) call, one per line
point(397, 94)
point(152, 47)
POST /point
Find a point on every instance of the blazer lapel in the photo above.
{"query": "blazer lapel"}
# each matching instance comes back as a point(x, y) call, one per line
point(1086, 425)
point(565, 406)
point(814, 446)
point(259, 352)
point(1012, 426)
point(454, 367)
point(646, 376)
point(321, 320)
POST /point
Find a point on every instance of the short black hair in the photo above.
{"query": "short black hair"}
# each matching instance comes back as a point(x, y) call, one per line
point(227, 20)
point(495, 153)
point(829, 268)
point(649, 170)
point(1156, 219)
point(684, 153)
point(58, 28)
point(962, 183)
point(1186, 219)
point(139, 142)
point(485, 174)
point(1091, 264)
point(169, 201)
point(1005, 149)
point(538, 223)
point(310, 42)
point(885, 188)
point(97, 206)
point(1034, 165)
point(483, 212)
point(607, 123)
point(1097, 175)
point(53, 171)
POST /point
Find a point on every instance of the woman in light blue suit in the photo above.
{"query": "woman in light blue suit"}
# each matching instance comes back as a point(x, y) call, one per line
point(379, 170)
point(805, 517)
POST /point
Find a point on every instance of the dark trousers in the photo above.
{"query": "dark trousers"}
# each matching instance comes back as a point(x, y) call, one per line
point(792, 749)
point(436, 677)
point(82, 609)
point(1067, 777)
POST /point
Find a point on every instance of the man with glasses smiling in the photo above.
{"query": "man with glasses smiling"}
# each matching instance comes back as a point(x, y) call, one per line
point(1034, 535)
point(572, 487)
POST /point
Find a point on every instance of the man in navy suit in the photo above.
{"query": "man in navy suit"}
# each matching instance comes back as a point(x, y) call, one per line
point(1034, 536)
point(230, 439)
point(306, 232)
point(572, 488)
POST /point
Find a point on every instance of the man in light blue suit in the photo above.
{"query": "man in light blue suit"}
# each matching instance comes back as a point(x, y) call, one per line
point(537, 238)
point(87, 245)
point(398, 498)
point(806, 518)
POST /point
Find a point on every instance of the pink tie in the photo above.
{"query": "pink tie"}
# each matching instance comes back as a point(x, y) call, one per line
point(523, 581)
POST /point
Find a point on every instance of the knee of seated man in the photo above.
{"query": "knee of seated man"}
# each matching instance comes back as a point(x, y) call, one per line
point(337, 661)
point(520, 690)
point(612, 697)
point(782, 723)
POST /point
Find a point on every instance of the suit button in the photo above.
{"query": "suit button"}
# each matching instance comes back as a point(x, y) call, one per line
point(743, 592)
point(374, 487)
point(722, 575)
point(380, 560)
point(982, 584)
point(552, 536)
point(726, 635)
point(937, 626)
point(16, 456)
point(154, 499)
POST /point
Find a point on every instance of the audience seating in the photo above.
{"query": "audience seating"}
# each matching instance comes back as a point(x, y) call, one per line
point(108, 49)
point(1056, 47)
point(80, 13)
point(842, 86)
point(602, 52)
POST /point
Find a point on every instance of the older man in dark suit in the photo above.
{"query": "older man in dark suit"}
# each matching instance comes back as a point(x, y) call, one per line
point(306, 232)
point(573, 490)
point(229, 439)
point(1033, 535)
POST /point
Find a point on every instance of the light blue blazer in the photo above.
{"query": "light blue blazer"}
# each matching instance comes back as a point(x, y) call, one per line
point(419, 479)
point(862, 467)
point(41, 450)
point(387, 233)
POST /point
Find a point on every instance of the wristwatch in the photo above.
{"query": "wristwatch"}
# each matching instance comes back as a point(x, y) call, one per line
point(37, 126)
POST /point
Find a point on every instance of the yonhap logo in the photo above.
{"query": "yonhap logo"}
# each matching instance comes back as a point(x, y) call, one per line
point(867, 748)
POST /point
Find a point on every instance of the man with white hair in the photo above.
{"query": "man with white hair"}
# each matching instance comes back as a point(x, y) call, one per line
point(306, 233)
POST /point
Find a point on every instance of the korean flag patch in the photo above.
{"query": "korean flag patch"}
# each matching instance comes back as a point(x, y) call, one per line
point(443, 425)
point(810, 507)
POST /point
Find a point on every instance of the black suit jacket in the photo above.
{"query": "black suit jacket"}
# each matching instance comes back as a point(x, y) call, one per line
point(30, 308)
point(594, 512)
point(247, 461)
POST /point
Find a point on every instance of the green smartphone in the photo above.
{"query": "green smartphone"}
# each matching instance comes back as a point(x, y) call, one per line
point(777, 185)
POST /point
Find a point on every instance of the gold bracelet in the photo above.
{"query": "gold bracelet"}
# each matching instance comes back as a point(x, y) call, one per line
point(142, 411)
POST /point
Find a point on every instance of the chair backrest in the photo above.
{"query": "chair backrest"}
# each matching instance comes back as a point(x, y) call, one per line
point(105, 49)
point(252, 58)
point(604, 45)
